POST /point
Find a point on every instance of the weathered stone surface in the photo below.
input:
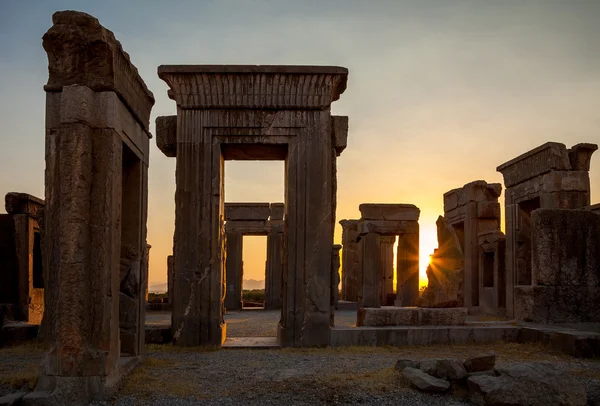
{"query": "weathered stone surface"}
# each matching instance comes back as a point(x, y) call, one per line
point(247, 211)
point(14, 399)
point(580, 156)
point(339, 130)
point(480, 363)
point(390, 212)
point(276, 211)
point(425, 382)
point(528, 384)
point(335, 275)
point(411, 316)
point(166, 135)
point(23, 203)
point(451, 369)
point(445, 272)
point(351, 261)
point(104, 66)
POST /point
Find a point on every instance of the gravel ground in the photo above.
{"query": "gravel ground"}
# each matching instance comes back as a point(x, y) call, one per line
point(365, 375)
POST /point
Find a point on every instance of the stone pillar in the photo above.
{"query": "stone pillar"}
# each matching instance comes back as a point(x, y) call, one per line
point(170, 279)
point(407, 263)
point(234, 271)
point(274, 268)
point(387, 267)
point(371, 281)
point(351, 262)
point(96, 197)
point(335, 275)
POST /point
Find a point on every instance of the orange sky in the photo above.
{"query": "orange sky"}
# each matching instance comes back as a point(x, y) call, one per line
point(439, 92)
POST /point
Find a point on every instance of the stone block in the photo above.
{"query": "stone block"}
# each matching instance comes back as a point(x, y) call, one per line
point(23, 203)
point(566, 181)
point(480, 363)
point(350, 232)
point(276, 211)
point(390, 212)
point(13, 399)
point(411, 316)
point(248, 227)
point(247, 211)
point(166, 135)
point(557, 304)
point(488, 210)
point(339, 129)
point(388, 227)
point(425, 382)
point(566, 248)
point(580, 156)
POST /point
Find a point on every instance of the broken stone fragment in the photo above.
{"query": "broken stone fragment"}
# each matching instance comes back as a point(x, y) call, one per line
point(451, 369)
point(425, 382)
point(481, 363)
point(537, 384)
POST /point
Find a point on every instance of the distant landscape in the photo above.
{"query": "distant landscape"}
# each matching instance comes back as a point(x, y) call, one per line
point(249, 284)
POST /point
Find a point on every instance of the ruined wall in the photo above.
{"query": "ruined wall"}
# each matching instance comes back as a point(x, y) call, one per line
point(565, 269)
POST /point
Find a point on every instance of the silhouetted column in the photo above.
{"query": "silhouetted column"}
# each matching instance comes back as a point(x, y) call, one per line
point(274, 265)
point(407, 290)
point(387, 267)
point(351, 262)
point(371, 281)
point(234, 276)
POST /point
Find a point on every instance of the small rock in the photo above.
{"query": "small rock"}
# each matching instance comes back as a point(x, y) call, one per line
point(490, 372)
point(429, 366)
point(425, 382)
point(451, 369)
point(12, 399)
point(404, 363)
point(481, 363)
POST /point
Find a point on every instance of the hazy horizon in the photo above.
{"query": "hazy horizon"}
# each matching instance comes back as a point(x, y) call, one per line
point(440, 92)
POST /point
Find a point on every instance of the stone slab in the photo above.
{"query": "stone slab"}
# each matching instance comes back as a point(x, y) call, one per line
point(347, 305)
point(424, 335)
point(387, 211)
point(247, 211)
point(23, 203)
point(166, 135)
point(248, 227)
point(252, 343)
point(411, 316)
point(276, 211)
point(388, 227)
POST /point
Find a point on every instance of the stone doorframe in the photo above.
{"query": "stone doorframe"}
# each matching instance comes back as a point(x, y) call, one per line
point(253, 113)
point(377, 224)
point(243, 219)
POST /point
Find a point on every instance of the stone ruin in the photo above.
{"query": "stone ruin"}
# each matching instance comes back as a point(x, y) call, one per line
point(253, 113)
point(551, 246)
point(95, 251)
point(367, 255)
point(467, 270)
point(253, 219)
point(21, 262)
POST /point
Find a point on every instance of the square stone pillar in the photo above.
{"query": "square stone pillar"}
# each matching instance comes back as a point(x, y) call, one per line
point(387, 267)
point(335, 275)
point(371, 278)
point(170, 280)
point(407, 263)
point(274, 267)
point(351, 261)
point(96, 176)
point(234, 271)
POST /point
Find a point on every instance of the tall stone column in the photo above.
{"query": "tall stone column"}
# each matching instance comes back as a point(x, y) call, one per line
point(371, 280)
point(335, 275)
point(234, 271)
point(407, 288)
point(351, 262)
point(96, 196)
point(274, 268)
point(170, 280)
point(387, 267)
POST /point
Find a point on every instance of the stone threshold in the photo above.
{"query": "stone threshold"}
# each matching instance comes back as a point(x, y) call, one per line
point(251, 343)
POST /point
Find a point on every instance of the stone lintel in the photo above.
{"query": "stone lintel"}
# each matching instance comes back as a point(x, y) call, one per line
point(488, 210)
point(387, 239)
point(387, 227)
point(276, 211)
point(247, 211)
point(23, 203)
point(540, 160)
point(166, 135)
point(247, 227)
point(350, 232)
point(388, 211)
point(83, 52)
point(339, 129)
point(490, 237)
point(580, 156)
point(254, 86)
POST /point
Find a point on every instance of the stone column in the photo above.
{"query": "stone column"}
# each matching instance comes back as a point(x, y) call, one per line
point(371, 281)
point(335, 275)
point(274, 264)
point(351, 262)
point(407, 263)
point(234, 271)
point(387, 267)
point(96, 126)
